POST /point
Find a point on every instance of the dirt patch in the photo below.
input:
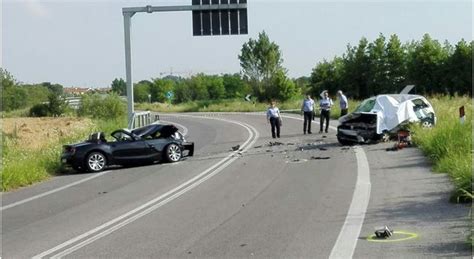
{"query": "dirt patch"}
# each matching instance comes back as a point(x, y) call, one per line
point(36, 133)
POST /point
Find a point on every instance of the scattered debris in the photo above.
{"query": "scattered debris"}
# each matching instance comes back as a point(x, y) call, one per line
point(276, 143)
point(235, 148)
point(102, 192)
point(319, 157)
point(324, 137)
point(345, 148)
point(257, 146)
point(290, 144)
point(269, 150)
point(323, 148)
point(383, 232)
point(242, 245)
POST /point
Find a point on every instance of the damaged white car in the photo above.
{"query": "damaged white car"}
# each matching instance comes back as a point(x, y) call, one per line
point(379, 116)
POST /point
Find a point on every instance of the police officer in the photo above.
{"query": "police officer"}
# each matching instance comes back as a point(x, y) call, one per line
point(307, 110)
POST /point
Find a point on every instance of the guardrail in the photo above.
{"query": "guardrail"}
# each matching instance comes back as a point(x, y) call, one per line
point(140, 119)
point(73, 102)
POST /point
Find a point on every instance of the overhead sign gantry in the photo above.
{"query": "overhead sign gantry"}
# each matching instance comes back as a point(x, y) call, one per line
point(209, 17)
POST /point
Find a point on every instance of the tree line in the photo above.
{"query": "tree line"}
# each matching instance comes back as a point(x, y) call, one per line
point(387, 66)
point(370, 68)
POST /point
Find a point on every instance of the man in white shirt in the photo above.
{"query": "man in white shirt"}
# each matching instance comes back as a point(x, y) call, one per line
point(343, 104)
point(325, 105)
point(307, 110)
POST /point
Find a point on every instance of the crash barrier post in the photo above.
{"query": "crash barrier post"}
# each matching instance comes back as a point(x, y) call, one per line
point(462, 114)
point(139, 119)
point(157, 117)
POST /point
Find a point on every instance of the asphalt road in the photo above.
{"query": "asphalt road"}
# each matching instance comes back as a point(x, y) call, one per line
point(302, 197)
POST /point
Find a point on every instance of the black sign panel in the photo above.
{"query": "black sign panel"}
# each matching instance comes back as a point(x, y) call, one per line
point(221, 21)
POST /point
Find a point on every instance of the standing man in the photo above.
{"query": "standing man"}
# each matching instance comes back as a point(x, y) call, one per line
point(273, 117)
point(325, 105)
point(307, 109)
point(343, 104)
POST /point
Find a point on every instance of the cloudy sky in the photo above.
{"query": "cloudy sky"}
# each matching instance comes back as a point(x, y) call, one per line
point(81, 42)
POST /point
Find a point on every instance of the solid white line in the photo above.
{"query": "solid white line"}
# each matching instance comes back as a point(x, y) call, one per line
point(185, 132)
point(176, 192)
point(347, 239)
point(52, 191)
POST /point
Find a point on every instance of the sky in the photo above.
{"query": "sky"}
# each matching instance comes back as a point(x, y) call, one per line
point(80, 43)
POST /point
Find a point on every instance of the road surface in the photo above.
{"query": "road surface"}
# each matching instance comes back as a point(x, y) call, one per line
point(300, 196)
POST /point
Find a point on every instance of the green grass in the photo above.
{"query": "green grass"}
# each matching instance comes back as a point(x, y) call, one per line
point(234, 105)
point(449, 144)
point(24, 167)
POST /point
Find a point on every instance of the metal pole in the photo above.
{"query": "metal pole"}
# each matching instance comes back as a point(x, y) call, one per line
point(127, 17)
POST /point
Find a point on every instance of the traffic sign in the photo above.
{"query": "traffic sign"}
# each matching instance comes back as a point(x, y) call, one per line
point(216, 18)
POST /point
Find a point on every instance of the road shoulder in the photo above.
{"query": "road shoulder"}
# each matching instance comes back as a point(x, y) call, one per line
point(408, 197)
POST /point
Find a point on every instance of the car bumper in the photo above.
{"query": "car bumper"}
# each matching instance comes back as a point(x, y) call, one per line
point(189, 146)
point(68, 160)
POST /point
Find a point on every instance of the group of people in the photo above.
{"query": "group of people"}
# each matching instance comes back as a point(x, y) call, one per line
point(308, 112)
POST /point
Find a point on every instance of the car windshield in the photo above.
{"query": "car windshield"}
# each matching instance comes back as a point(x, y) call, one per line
point(366, 106)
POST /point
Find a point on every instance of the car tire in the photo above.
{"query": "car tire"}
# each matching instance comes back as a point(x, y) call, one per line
point(95, 162)
point(173, 153)
point(344, 142)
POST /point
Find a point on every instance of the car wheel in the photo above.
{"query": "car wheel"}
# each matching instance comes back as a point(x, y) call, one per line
point(96, 162)
point(173, 153)
point(344, 142)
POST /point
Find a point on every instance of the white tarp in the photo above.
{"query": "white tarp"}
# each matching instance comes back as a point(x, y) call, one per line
point(391, 112)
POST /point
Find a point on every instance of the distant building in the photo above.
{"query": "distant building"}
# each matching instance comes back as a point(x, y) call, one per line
point(82, 90)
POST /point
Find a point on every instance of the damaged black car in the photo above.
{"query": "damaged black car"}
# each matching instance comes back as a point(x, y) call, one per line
point(145, 145)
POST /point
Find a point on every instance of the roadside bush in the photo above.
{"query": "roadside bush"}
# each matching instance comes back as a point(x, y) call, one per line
point(39, 110)
point(102, 107)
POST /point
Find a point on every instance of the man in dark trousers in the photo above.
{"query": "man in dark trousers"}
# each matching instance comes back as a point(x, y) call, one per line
point(325, 105)
point(307, 110)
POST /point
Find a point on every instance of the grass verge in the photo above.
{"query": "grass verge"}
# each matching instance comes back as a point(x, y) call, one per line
point(234, 105)
point(449, 144)
point(25, 163)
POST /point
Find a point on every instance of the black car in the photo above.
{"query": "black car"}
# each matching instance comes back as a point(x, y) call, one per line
point(155, 142)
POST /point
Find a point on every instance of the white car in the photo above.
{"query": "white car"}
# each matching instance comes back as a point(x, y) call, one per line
point(383, 114)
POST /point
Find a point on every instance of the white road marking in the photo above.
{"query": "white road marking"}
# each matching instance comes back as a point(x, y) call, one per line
point(347, 240)
point(52, 191)
point(185, 132)
point(129, 217)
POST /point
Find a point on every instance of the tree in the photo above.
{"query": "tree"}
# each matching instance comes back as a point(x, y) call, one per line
point(356, 70)
point(141, 92)
point(119, 86)
point(425, 65)
point(377, 82)
point(159, 88)
point(56, 105)
point(215, 87)
point(327, 76)
point(458, 76)
point(261, 60)
point(13, 96)
point(235, 86)
point(56, 89)
point(396, 65)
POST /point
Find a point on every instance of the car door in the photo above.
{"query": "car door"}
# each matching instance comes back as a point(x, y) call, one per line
point(128, 149)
